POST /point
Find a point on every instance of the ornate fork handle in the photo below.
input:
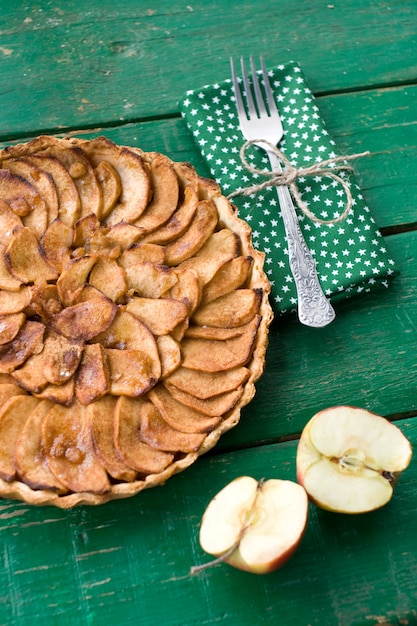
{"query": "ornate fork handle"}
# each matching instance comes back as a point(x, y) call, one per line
point(314, 309)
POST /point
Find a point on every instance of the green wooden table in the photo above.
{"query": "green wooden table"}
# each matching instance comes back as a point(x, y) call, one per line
point(120, 68)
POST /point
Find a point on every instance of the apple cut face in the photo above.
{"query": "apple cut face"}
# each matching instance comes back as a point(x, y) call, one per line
point(349, 459)
point(254, 525)
point(134, 319)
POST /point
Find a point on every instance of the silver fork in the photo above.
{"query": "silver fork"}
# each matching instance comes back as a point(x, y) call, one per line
point(314, 309)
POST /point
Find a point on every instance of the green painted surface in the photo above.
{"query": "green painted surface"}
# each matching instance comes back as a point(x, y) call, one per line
point(121, 68)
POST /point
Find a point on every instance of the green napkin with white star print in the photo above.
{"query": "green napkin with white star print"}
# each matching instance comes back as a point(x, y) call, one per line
point(351, 256)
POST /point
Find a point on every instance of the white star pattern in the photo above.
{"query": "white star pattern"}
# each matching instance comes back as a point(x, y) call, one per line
point(351, 256)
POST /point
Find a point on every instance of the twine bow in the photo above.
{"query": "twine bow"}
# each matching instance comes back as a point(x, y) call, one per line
point(290, 174)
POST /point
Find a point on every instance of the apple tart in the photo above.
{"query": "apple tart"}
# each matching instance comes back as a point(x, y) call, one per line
point(134, 319)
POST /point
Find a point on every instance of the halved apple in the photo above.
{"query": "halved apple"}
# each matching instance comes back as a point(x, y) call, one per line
point(254, 525)
point(349, 459)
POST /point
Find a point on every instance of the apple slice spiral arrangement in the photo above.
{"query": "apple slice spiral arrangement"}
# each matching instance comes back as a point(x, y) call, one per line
point(348, 461)
point(134, 319)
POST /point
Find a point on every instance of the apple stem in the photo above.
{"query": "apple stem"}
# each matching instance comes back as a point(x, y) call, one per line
point(221, 559)
point(196, 569)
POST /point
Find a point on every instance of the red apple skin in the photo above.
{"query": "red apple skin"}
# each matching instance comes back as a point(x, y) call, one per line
point(235, 559)
point(268, 518)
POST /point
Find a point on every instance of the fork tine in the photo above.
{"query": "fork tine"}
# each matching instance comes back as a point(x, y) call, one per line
point(257, 89)
point(268, 90)
point(238, 94)
point(249, 99)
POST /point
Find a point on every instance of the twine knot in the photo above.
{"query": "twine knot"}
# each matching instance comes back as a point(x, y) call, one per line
point(290, 174)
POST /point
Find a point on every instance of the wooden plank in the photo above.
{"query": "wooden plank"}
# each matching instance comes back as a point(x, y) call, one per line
point(381, 121)
point(129, 560)
point(120, 62)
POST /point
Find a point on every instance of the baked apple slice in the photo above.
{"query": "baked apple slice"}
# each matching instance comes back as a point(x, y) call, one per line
point(216, 405)
point(8, 390)
point(61, 357)
point(9, 221)
point(110, 186)
point(205, 385)
point(68, 199)
point(179, 416)
point(130, 372)
point(14, 301)
point(28, 341)
point(13, 415)
point(92, 379)
point(10, 325)
point(149, 280)
point(161, 316)
point(91, 315)
point(134, 178)
point(156, 432)
point(74, 278)
point(108, 277)
point(25, 201)
point(230, 276)
point(179, 221)
point(130, 448)
point(165, 193)
point(127, 332)
point(234, 309)
point(202, 226)
point(69, 451)
point(101, 418)
point(81, 172)
point(220, 247)
point(55, 245)
point(29, 458)
point(209, 355)
point(169, 351)
point(25, 260)
point(40, 180)
point(140, 253)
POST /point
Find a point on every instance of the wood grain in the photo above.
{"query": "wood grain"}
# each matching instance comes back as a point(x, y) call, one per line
point(119, 69)
point(113, 63)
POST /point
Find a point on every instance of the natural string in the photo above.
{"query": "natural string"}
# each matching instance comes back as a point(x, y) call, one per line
point(290, 174)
